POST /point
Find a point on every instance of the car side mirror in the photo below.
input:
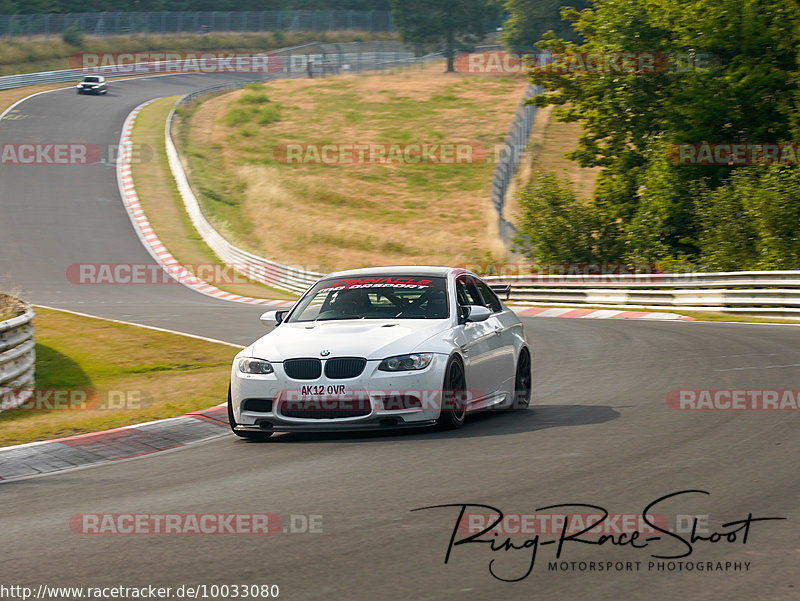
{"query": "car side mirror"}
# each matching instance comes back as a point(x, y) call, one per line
point(474, 313)
point(272, 318)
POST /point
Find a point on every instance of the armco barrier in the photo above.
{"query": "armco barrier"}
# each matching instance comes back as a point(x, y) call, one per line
point(325, 58)
point(17, 353)
point(767, 293)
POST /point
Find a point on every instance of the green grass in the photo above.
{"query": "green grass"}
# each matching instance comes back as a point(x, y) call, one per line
point(169, 374)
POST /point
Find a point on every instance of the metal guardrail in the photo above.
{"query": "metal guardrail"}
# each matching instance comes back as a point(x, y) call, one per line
point(17, 357)
point(513, 146)
point(325, 61)
point(325, 58)
point(128, 23)
point(747, 292)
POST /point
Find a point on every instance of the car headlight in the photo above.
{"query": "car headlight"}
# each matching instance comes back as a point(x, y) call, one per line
point(406, 362)
point(255, 366)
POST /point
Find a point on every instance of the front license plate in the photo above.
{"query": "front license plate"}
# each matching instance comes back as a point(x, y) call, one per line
point(321, 391)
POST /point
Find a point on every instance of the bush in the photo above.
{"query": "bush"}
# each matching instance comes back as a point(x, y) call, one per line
point(554, 227)
point(73, 36)
point(750, 222)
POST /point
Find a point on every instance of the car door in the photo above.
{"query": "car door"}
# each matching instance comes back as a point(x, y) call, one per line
point(506, 328)
point(478, 343)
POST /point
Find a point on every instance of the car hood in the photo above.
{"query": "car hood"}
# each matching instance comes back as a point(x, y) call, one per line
point(372, 339)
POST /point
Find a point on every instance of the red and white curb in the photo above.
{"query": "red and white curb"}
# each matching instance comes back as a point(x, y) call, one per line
point(149, 238)
point(49, 456)
point(597, 314)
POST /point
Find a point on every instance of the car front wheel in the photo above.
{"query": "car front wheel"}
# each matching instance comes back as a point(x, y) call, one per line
point(454, 405)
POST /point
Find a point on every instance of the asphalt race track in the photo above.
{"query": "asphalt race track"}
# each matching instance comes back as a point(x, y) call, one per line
point(600, 432)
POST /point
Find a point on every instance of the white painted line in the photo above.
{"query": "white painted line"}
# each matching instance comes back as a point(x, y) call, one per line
point(146, 327)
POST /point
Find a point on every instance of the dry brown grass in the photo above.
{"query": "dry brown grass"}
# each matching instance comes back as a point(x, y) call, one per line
point(10, 306)
point(333, 216)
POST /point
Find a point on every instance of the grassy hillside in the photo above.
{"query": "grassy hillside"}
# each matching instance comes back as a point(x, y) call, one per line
point(335, 215)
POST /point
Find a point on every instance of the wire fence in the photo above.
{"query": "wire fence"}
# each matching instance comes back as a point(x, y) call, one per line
point(125, 23)
point(513, 146)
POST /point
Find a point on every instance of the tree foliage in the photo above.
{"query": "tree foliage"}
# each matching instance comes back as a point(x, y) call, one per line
point(727, 72)
point(529, 20)
point(453, 25)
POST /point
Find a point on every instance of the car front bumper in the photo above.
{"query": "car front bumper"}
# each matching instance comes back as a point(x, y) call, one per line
point(385, 399)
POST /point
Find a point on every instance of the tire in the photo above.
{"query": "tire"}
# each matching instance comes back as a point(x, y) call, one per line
point(247, 435)
point(454, 409)
point(522, 382)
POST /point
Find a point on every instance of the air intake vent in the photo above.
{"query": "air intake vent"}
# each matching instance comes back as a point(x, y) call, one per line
point(258, 405)
point(303, 369)
point(344, 367)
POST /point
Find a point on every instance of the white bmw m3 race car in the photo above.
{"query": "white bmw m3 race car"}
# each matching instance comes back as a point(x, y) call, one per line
point(376, 348)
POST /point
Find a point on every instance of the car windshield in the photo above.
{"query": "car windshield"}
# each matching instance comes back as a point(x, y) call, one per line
point(374, 297)
point(91, 79)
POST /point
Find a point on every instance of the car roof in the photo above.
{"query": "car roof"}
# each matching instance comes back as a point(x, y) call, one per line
point(429, 270)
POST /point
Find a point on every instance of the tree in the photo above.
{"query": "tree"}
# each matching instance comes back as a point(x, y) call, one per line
point(529, 20)
point(454, 25)
point(726, 72)
point(554, 227)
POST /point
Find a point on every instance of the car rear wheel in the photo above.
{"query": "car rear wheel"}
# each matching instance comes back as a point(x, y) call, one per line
point(454, 406)
point(232, 422)
point(522, 381)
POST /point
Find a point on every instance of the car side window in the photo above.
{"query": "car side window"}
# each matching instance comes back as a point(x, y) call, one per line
point(467, 292)
point(490, 298)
